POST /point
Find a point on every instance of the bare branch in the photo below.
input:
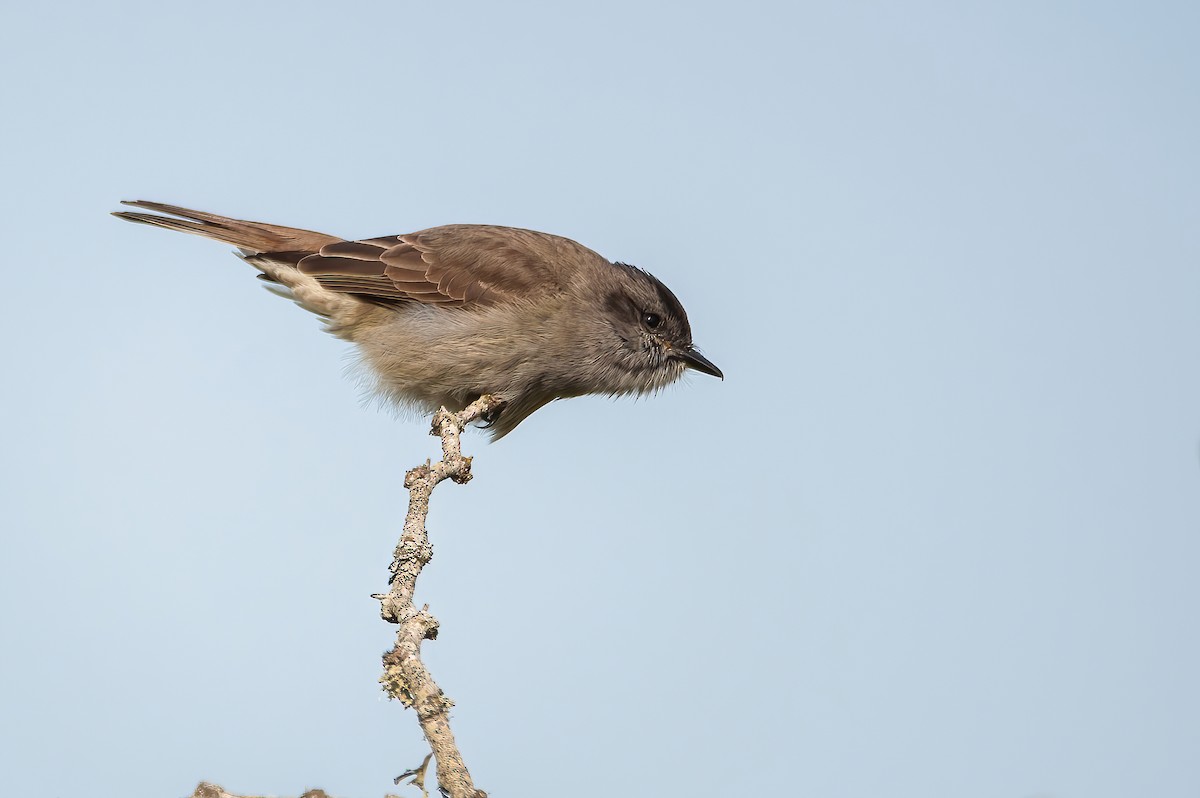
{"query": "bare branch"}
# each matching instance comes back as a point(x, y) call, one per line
point(405, 677)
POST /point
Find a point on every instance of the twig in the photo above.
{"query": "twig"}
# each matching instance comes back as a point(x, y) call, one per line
point(405, 677)
point(206, 790)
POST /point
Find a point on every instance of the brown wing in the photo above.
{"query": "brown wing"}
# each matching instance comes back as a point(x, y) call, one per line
point(455, 265)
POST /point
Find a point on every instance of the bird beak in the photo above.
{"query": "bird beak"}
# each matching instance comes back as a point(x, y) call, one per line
point(694, 360)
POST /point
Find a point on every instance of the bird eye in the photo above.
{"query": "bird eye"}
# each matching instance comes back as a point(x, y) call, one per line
point(651, 320)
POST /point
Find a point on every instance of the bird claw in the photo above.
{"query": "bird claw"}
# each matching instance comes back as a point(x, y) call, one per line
point(491, 416)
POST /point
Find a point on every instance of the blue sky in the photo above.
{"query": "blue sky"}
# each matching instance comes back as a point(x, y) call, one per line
point(936, 534)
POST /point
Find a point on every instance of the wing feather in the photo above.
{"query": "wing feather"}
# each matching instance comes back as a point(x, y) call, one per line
point(455, 265)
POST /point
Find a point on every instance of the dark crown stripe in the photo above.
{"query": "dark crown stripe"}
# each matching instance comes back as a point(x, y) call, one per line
point(670, 302)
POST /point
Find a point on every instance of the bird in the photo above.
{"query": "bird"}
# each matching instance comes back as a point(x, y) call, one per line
point(445, 315)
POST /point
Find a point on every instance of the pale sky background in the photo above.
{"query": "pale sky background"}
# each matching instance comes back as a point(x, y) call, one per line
point(936, 535)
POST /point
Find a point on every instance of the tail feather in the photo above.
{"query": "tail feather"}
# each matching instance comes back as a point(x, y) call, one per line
point(272, 249)
point(258, 237)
